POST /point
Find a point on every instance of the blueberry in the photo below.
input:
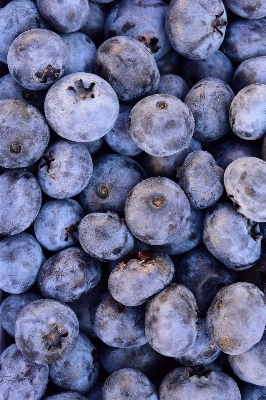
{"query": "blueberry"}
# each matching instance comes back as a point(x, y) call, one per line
point(173, 85)
point(65, 169)
point(161, 125)
point(252, 392)
point(171, 321)
point(94, 25)
point(20, 200)
point(20, 377)
point(81, 107)
point(66, 396)
point(247, 8)
point(194, 29)
point(118, 325)
point(46, 330)
point(249, 71)
point(24, 134)
point(157, 210)
point(169, 63)
point(95, 145)
point(95, 393)
point(48, 55)
point(236, 318)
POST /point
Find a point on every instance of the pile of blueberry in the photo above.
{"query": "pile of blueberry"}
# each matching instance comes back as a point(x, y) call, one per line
point(133, 199)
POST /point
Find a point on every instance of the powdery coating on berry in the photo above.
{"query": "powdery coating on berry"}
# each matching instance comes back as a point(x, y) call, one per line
point(201, 179)
point(209, 101)
point(241, 39)
point(247, 112)
point(128, 66)
point(105, 236)
point(24, 134)
point(20, 199)
point(20, 377)
point(81, 107)
point(171, 321)
point(46, 330)
point(11, 307)
point(236, 318)
point(118, 325)
point(185, 383)
point(230, 237)
point(112, 179)
point(64, 16)
point(17, 17)
point(247, 8)
point(196, 29)
point(161, 125)
point(249, 72)
point(203, 352)
point(65, 169)
point(21, 257)
point(56, 225)
point(133, 282)
point(143, 21)
point(128, 382)
point(245, 184)
point(173, 85)
point(66, 396)
point(250, 366)
point(68, 274)
point(37, 58)
point(78, 370)
point(157, 210)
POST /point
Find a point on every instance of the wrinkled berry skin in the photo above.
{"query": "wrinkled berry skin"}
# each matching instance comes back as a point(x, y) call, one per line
point(20, 200)
point(196, 29)
point(49, 55)
point(46, 330)
point(128, 66)
point(244, 305)
point(81, 107)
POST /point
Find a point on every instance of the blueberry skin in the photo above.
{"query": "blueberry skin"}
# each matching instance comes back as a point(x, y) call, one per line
point(247, 8)
point(20, 199)
point(244, 305)
point(78, 370)
point(217, 65)
point(249, 71)
point(95, 393)
point(66, 396)
point(65, 169)
point(82, 52)
point(113, 177)
point(56, 225)
point(161, 125)
point(128, 382)
point(252, 392)
point(156, 210)
point(204, 275)
point(227, 152)
point(244, 181)
point(105, 236)
point(46, 330)
point(128, 66)
point(21, 257)
point(24, 134)
point(196, 38)
point(247, 112)
point(171, 321)
point(201, 179)
point(11, 307)
point(17, 17)
point(81, 107)
point(209, 101)
point(203, 352)
point(94, 145)
point(241, 39)
point(169, 63)
point(119, 138)
point(144, 22)
point(173, 85)
point(143, 358)
point(64, 16)
point(132, 283)
point(230, 237)
point(20, 377)
point(184, 383)
point(49, 57)
point(94, 25)
point(68, 274)
point(118, 325)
